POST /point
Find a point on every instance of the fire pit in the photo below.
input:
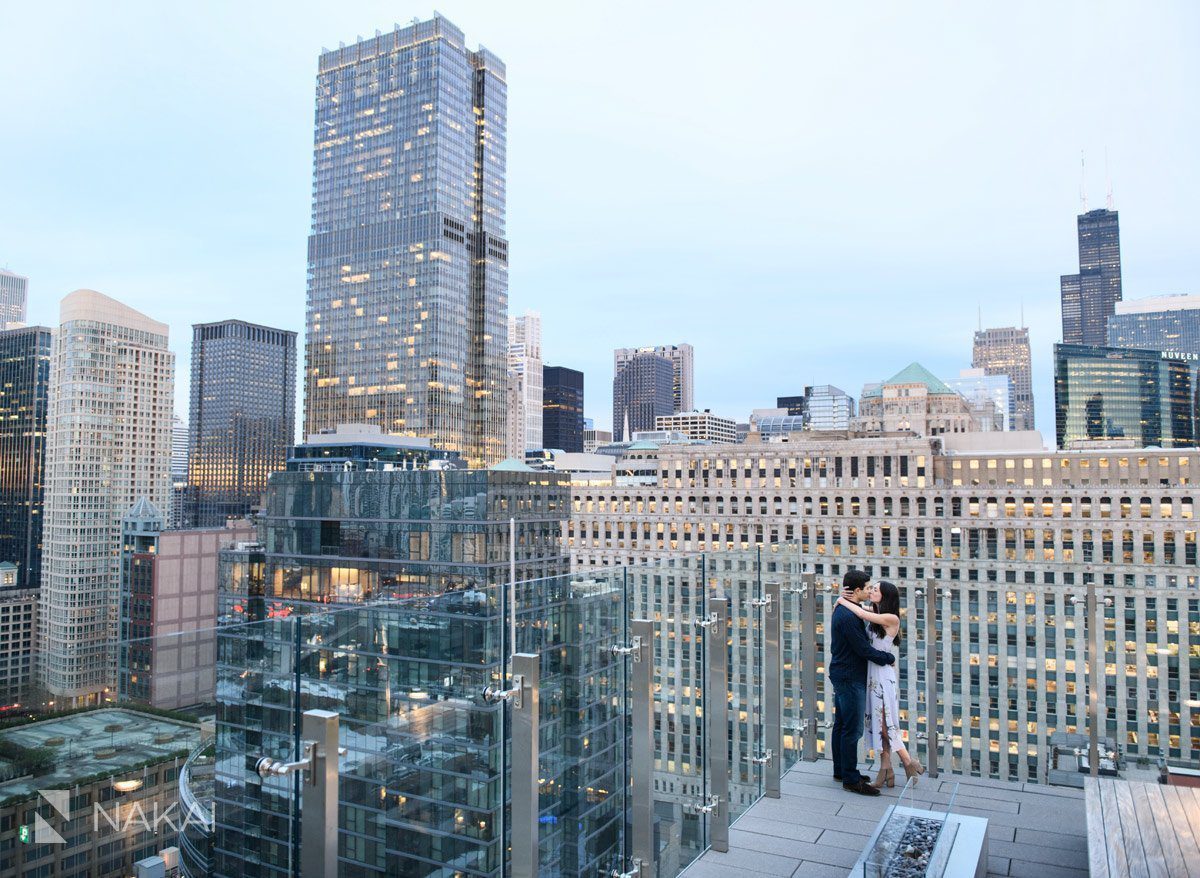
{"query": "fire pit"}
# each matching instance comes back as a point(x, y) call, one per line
point(925, 840)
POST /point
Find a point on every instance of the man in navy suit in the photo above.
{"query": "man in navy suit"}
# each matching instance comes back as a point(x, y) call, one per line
point(849, 652)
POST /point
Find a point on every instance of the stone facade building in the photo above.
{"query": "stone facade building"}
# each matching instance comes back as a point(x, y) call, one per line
point(915, 400)
point(1011, 537)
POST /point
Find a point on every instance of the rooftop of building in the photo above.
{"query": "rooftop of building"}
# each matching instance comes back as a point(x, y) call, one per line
point(817, 829)
point(1152, 304)
point(89, 744)
point(93, 306)
point(364, 434)
point(913, 373)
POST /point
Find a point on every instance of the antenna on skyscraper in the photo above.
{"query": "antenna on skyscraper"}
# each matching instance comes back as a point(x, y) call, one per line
point(1107, 182)
point(1022, 313)
point(980, 317)
point(1082, 181)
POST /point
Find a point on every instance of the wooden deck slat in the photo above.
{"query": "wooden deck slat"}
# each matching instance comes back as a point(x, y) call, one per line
point(1097, 835)
point(1135, 852)
point(1169, 825)
point(1152, 831)
point(1184, 806)
point(1117, 855)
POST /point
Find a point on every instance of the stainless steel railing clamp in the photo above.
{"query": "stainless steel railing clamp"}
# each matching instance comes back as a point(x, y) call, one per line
point(634, 649)
point(765, 759)
point(268, 767)
point(709, 807)
point(635, 869)
point(707, 622)
point(1108, 602)
point(760, 602)
point(516, 694)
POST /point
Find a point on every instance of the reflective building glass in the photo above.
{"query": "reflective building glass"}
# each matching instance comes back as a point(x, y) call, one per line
point(562, 408)
point(1114, 393)
point(24, 391)
point(377, 592)
point(408, 260)
point(642, 390)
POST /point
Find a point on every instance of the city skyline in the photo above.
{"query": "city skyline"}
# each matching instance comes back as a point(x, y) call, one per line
point(1030, 188)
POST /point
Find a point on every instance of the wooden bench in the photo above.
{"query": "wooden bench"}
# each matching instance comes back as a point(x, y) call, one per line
point(1142, 830)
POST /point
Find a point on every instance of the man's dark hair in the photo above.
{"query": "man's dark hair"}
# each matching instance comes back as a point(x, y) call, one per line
point(855, 579)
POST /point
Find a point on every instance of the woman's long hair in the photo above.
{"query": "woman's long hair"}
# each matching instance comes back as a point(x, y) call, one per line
point(889, 602)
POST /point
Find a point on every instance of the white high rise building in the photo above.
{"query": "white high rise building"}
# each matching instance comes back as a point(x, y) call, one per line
point(524, 383)
point(179, 471)
point(14, 290)
point(108, 444)
point(682, 365)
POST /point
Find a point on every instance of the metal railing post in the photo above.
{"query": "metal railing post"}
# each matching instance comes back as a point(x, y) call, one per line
point(642, 745)
point(933, 721)
point(772, 690)
point(1094, 643)
point(716, 718)
point(525, 767)
point(808, 662)
point(319, 800)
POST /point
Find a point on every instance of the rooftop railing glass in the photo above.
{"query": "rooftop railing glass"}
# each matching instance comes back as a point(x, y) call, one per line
point(611, 721)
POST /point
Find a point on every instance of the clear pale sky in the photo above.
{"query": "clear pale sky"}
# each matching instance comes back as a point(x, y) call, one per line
point(807, 193)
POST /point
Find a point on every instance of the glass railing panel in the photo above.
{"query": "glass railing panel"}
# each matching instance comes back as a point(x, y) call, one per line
point(423, 778)
point(673, 594)
point(782, 563)
point(737, 575)
point(573, 623)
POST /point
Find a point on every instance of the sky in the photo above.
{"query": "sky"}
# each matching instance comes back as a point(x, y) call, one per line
point(806, 193)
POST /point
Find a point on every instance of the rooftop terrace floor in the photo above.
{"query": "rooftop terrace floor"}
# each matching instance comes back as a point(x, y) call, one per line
point(818, 830)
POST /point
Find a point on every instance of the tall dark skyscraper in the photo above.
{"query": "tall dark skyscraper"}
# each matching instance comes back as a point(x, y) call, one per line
point(408, 260)
point(1005, 350)
point(643, 389)
point(1089, 297)
point(242, 417)
point(24, 389)
point(562, 408)
point(1123, 393)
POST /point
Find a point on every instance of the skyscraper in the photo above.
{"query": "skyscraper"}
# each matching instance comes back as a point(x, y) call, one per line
point(822, 407)
point(562, 409)
point(24, 392)
point(1089, 297)
point(525, 383)
point(407, 261)
point(179, 471)
point(1120, 393)
point(242, 417)
point(682, 373)
point(108, 445)
point(642, 390)
point(1004, 350)
point(13, 291)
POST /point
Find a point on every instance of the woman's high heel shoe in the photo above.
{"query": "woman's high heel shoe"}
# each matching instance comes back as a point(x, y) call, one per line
point(913, 769)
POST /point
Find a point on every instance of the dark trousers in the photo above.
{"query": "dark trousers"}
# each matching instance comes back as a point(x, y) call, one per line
point(849, 706)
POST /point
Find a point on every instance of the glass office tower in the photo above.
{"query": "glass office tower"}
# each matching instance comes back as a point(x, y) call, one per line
point(377, 584)
point(562, 408)
point(242, 418)
point(1089, 297)
point(24, 391)
point(1119, 393)
point(407, 261)
point(1004, 350)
